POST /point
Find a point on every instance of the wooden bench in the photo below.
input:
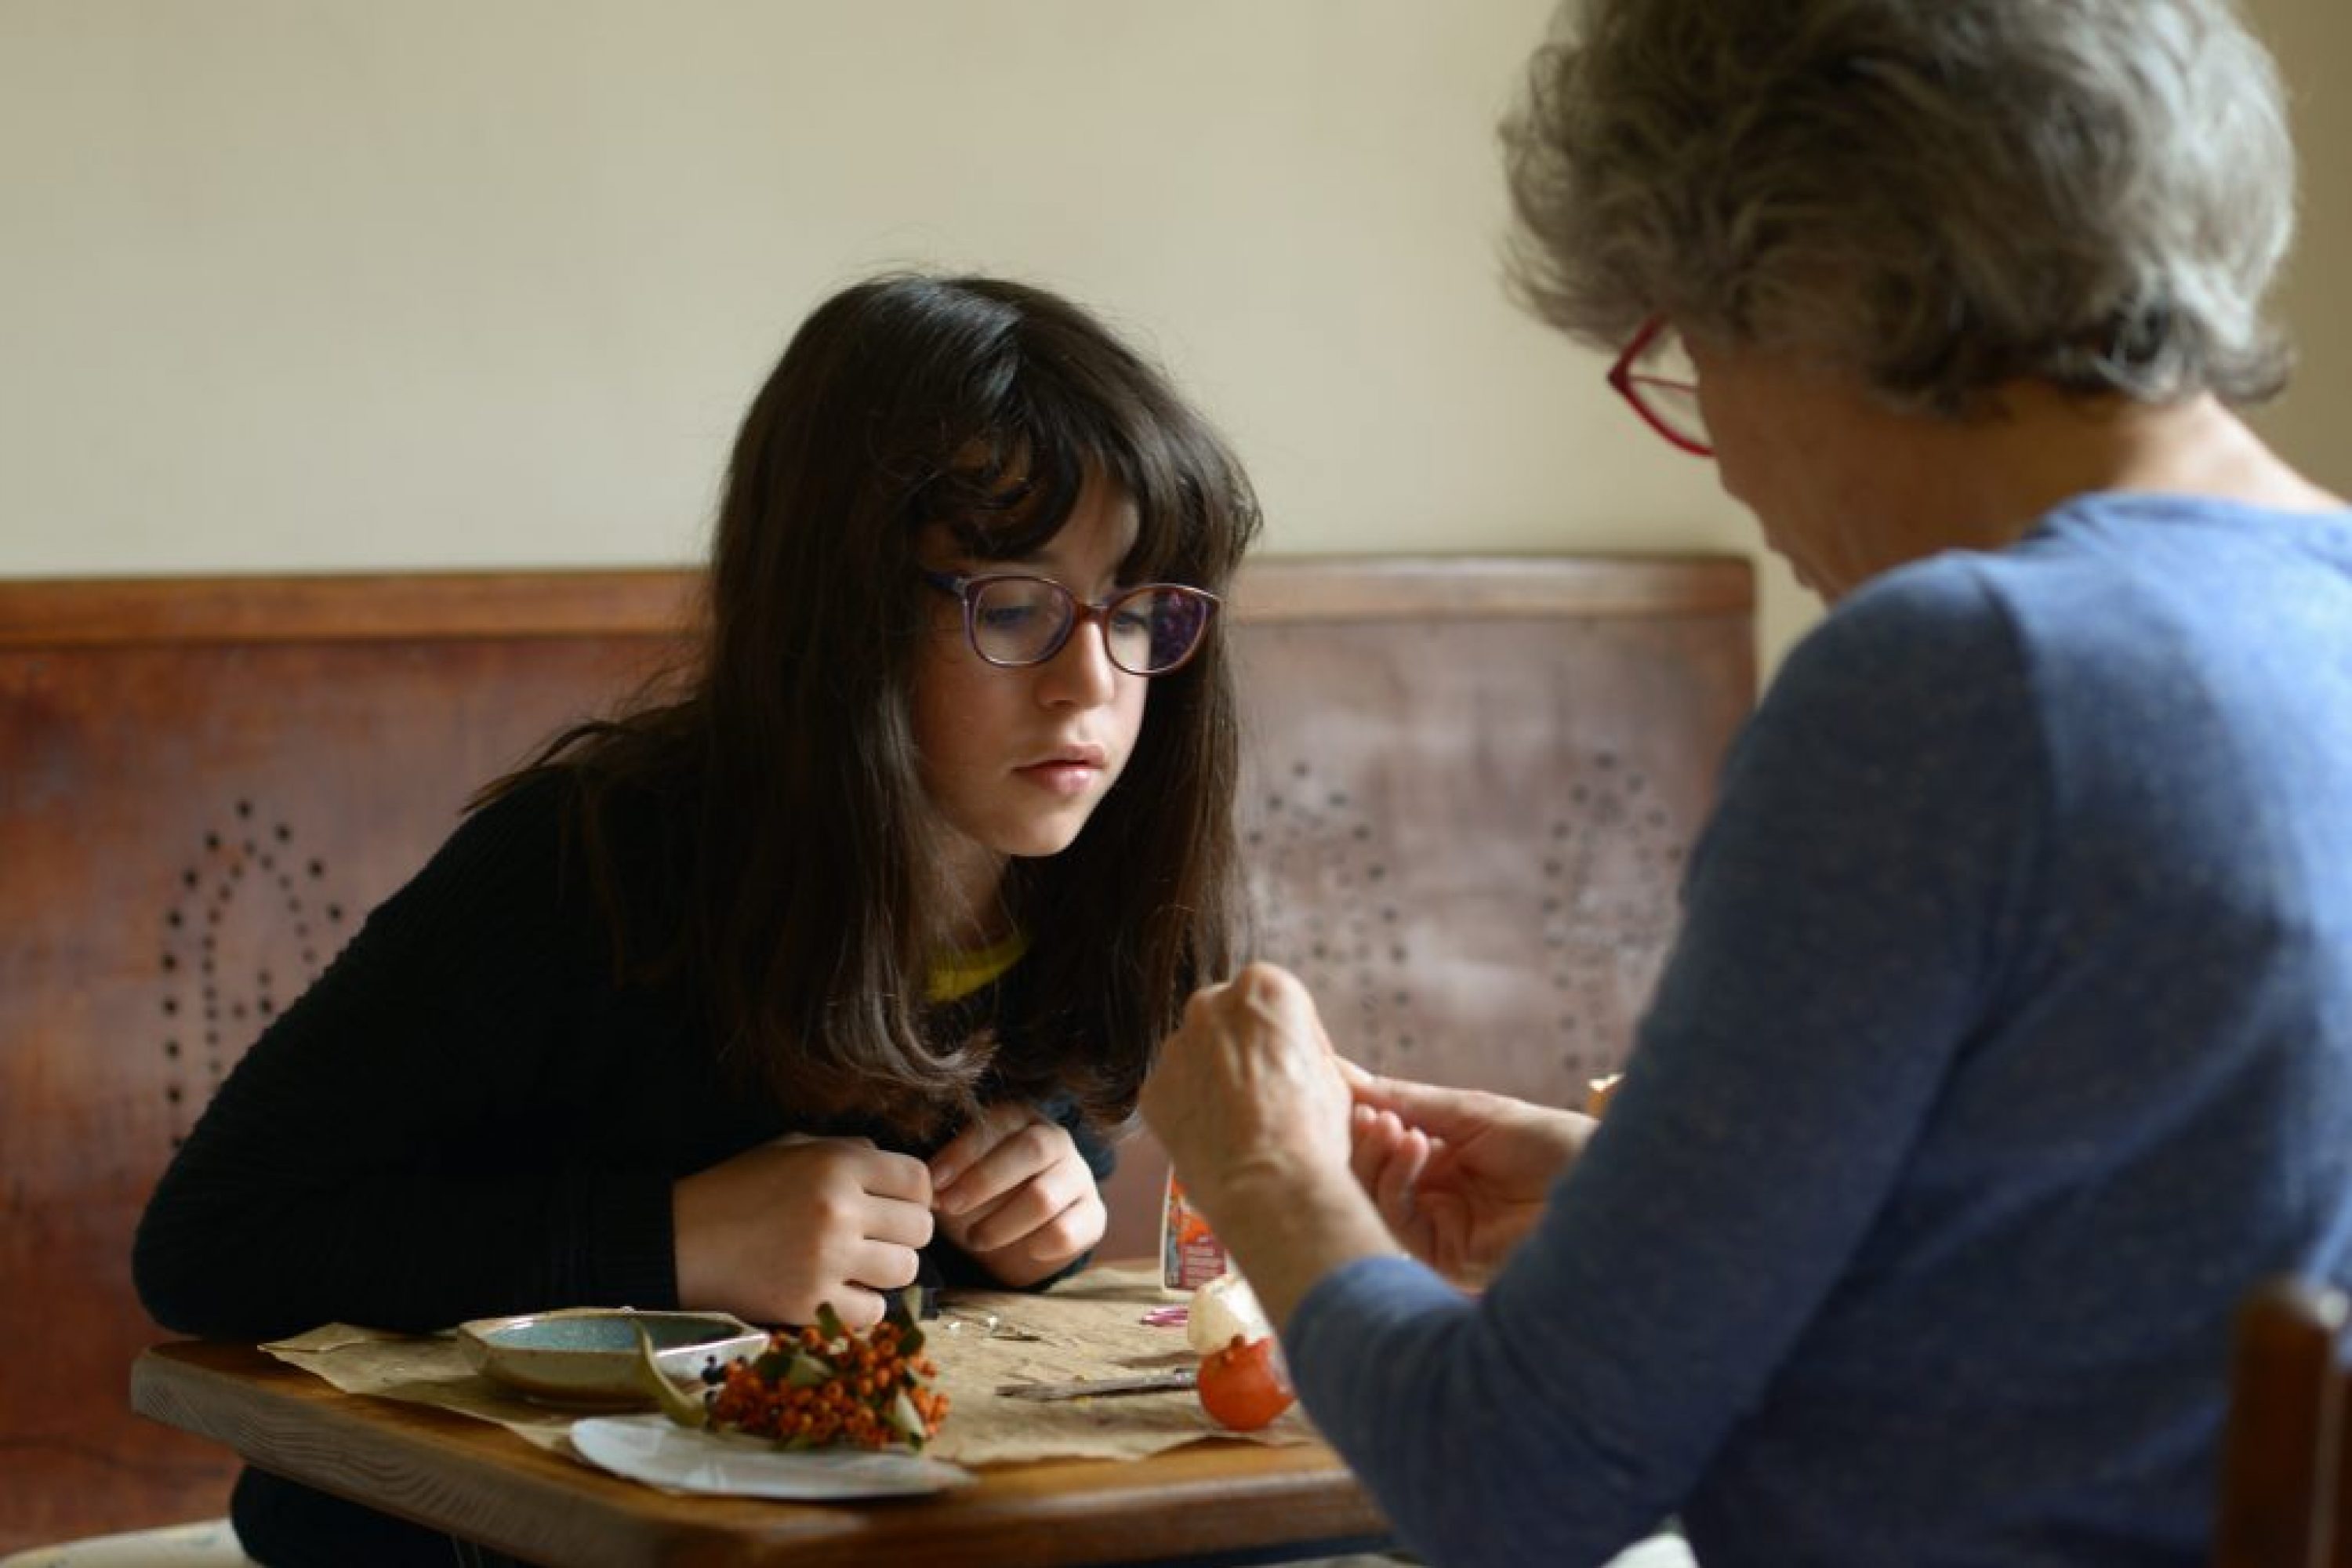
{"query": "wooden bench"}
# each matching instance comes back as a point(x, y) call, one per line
point(1471, 787)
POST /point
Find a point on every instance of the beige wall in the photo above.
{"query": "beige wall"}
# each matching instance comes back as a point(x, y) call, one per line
point(327, 284)
point(2313, 423)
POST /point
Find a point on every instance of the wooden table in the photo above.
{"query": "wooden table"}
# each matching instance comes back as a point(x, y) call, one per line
point(1209, 1502)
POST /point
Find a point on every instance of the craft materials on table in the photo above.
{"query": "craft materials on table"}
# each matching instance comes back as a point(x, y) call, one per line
point(1089, 1327)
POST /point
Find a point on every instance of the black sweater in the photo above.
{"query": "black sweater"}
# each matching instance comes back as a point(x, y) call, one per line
point(468, 1115)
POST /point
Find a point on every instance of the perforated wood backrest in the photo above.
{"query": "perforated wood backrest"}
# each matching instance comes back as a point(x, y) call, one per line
point(204, 787)
point(1471, 785)
point(1469, 789)
point(2286, 1466)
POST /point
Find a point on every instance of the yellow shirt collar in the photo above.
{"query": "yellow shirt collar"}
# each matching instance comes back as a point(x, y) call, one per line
point(955, 975)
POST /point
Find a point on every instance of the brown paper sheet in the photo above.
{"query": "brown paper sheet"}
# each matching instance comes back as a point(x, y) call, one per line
point(1089, 1327)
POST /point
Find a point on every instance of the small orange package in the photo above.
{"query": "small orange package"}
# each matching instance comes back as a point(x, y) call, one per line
point(1189, 1254)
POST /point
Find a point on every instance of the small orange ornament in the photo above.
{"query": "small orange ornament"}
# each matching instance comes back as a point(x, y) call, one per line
point(1243, 1387)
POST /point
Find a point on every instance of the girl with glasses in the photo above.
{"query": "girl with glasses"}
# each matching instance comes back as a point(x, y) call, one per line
point(834, 961)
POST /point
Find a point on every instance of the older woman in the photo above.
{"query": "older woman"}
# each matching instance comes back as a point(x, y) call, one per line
point(2008, 1035)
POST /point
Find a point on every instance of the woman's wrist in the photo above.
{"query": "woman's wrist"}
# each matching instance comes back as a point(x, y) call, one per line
point(1287, 1230)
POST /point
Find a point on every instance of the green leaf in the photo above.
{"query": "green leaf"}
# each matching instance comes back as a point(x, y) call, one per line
point(807, 1371)
point(829, 1324)
point(685, 1409)
point(903, 1415)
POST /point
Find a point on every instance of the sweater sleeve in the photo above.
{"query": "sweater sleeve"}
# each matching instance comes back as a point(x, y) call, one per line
point(1843, 916)
point(383, 1152)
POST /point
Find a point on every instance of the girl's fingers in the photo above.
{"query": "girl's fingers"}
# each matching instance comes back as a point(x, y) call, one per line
point(1007, 1219)
point(897, 1223)
point(856, 1306)
point(1030, 1208)
point(1034, 1147)
point(1063, 1234)
point(994, 1124)
point(878, 1266)
point(898, 1177)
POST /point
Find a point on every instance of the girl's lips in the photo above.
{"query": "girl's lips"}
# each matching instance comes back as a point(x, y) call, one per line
point(1077, 755)
point(1062, 775)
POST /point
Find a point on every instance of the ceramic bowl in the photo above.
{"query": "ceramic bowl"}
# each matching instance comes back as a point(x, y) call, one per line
point(588, 1355)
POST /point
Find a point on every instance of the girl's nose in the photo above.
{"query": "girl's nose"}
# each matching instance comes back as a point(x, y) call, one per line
point(1080, 673)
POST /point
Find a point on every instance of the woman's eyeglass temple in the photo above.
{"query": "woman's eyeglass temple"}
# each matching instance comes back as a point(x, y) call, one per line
point(1654, 375)
point(1014, 619)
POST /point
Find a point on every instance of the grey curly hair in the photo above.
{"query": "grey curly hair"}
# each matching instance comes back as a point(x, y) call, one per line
point(1942, 194)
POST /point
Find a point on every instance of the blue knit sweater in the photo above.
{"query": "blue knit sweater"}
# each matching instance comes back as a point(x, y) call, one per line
point(2008, 1040)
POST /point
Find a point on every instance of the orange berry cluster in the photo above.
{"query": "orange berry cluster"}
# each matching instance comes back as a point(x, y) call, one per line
point(830, 1383)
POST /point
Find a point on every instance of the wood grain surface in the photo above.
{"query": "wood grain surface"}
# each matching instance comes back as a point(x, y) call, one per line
point(476, 1479)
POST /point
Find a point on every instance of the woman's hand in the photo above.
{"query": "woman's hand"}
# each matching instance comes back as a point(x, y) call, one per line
point(1460, 1175)
point(774, 1231)
point(1249, 1102)
point(1248, 1092)
point(1012, 1190)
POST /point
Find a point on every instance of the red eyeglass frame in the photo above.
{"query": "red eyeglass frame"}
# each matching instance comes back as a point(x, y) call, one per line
point(1628, 384)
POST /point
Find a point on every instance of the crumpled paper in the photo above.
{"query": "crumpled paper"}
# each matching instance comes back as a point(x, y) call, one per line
point(1087, 1327)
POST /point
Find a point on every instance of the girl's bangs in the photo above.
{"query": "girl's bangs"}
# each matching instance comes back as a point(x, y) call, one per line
point(1014, 479)
point(1024, 491)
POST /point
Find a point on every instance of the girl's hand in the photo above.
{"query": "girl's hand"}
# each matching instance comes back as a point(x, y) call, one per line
point(774, 1231)
point(1012, 1190)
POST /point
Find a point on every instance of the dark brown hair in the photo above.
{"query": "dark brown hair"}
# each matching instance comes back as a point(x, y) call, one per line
point(804, 907)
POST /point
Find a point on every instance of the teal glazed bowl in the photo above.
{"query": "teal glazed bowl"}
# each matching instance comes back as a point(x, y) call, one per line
point(589, 1355)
